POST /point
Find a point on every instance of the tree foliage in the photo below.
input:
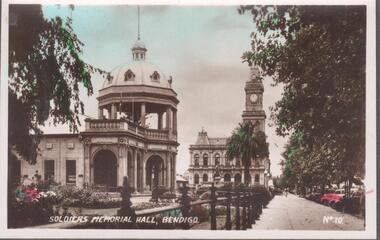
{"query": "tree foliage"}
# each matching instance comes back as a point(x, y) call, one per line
point(247, 144)
point(45, 74)
point(318, 54)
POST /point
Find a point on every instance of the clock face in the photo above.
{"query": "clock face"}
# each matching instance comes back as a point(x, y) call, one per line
point(253, 98)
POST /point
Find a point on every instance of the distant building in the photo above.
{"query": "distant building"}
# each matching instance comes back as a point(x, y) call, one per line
point(180, 180)
point(119, 143)
point(208, 155)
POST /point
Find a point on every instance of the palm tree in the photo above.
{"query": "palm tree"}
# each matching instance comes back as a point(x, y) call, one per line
point(247, 143)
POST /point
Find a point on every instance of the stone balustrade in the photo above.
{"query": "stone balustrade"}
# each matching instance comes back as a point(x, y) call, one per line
point(116, 125)
point(101, 125)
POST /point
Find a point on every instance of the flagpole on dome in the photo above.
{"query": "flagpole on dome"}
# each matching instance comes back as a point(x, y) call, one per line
point(138, 22)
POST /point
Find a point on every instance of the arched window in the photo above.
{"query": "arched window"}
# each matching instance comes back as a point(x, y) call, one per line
point(196, 159)
point(227, 160)
point(237, 162)
point(249, 178)
point(205, 159)
point(237, 178)
point(257, 164)
point(109, 78)
point(129, 75)
point(155, 76)
point(196, 178)
point(257, 178)
point(227, 177)
point(217, 159)
point(205, 177)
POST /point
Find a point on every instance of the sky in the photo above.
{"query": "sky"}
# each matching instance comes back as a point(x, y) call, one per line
point(200, 47)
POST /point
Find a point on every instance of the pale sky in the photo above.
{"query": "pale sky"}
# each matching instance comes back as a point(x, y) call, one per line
point(200, 47)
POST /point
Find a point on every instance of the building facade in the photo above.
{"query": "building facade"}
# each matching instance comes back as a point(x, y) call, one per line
point(120, 142)
point(208, 155)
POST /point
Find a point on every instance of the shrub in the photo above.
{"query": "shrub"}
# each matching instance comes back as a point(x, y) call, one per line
point(265, 194)
point(201, 190)
point(70, 196)
point(29, 206)
point(168, 195)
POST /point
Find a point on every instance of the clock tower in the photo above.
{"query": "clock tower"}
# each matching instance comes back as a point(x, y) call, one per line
point(254, 90)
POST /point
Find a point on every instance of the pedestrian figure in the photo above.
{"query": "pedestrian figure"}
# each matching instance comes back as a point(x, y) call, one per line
point(286, 192)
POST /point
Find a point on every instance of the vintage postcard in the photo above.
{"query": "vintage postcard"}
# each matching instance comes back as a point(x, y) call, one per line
point(190, 119)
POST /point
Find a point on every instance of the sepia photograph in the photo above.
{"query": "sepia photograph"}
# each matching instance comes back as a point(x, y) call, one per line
point(163, 119)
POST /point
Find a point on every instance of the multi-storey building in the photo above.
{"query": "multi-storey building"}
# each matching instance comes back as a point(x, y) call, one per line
point(208, 155)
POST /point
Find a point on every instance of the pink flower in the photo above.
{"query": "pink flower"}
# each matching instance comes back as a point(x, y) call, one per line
point(32, 194)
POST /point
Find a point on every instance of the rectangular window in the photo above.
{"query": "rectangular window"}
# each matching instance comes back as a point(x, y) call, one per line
point(49, 170)
point(71, 171)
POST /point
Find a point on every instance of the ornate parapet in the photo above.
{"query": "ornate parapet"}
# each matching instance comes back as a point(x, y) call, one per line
point(121, 125)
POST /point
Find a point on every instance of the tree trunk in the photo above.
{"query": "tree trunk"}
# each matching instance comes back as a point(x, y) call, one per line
point(246, 172)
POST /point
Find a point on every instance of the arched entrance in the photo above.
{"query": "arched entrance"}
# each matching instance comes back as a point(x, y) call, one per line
point(154, 171)
point(105, 168)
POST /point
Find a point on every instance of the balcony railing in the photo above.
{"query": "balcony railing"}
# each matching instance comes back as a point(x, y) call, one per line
point(110, 125)
point(96, 125)
point(157, 134)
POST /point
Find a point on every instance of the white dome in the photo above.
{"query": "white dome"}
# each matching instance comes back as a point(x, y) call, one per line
point(137, 73)
point(139, 44)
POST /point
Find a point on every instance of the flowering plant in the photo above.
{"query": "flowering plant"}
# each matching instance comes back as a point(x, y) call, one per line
point(31, 194)
point(31, 206)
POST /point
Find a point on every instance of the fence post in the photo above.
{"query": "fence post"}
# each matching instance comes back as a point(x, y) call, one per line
point(228, 217)
point(185, 202)
point(243, 202)
point(125, 208)
point(261, 203)
point(213, 203)
point(237, 206)
point(249, 219)
point(253, 207)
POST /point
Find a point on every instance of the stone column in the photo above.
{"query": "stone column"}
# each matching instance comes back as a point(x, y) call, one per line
point(144, 173)
point(160, 120)
point(135, 170)
point(86, 161)
point(175, 120)
point(163, 173)
point(125, 169)
point(120, 163)
point(168, 118)
point(113, 111)
point(100, 113)
point(142, 119)
point(168, 169)
point(174, 171)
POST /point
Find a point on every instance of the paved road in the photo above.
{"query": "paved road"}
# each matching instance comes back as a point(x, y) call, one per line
point(295, 213)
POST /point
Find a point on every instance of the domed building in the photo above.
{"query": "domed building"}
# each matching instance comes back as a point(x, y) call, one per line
point(120, 142)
